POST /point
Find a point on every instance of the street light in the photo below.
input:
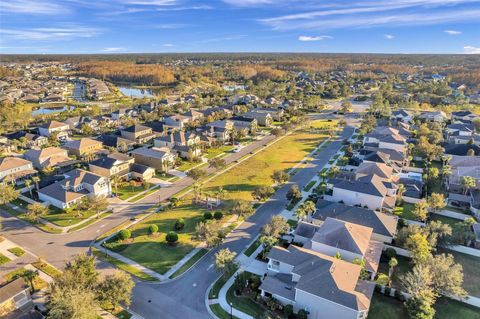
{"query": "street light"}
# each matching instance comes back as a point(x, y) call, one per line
point(231, 310)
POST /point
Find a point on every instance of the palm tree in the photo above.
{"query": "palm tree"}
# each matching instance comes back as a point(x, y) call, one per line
point(446, 172)
point(309, 207)
point(392, 264)
point(30, 275)
point(115, 181)
point(400, 191)
point(468, 182)
point(197, 190)
point(36, 180)
point(301, 213)
point(28, 183)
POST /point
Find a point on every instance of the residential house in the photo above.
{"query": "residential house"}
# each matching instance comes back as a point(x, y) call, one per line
point(324, 286)
point(462, 149)
point(402, 115)
point(158, 128)
point(245, 125)
point(464, 116)
point(474, 139)
point(384, 226)
point(162, 159)
point(389, 138)
point(184, 143)
point(117, 142)
point(115, 164)
point(436, 116)
point(460, 129)
point(220, 130)
point(83, 147)
point(77, 185)
point(276, 113)
point(176, 122)
point(462, 166)
point(368, 191)
point(138, 133)
point(262, 118)
point(142, 172)
point(351, 241)
point(13, 296)
point(48, 157)
point(15, 169)
point(62, 129)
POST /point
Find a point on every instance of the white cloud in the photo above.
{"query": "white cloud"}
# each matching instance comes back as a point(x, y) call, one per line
point(249, 3)
point(171, 26)
point(313, 38)
point(31, 7)
point(159, 3)
point(389, 36)
point(50, 34)
point(452, 32)
point(167, 45)
point(471, 49)
point(361, 21)
point(114, 50)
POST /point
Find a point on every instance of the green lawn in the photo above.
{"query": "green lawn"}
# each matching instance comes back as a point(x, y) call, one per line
point(123, 266)
point(388, 307)
point(17, 251)
point(126, 191)
point(471, 270)
point(405, 211)
point(154, 252)
point(445, 220)
point(309, 186)
point(189, 263)
point(46, 268)
point(3, 259)
point(22, 216)
point(186, 165)
point(220, 313)
point(64, 218)
point(257, 170)
point(245, 304)
point(215, 151)
point(402, 268)
point(139, 197)
point(38, 283)
point(251, 249)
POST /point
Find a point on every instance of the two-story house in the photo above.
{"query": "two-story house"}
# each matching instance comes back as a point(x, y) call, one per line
point(324, 286)
point(162, 159)
point(60, 128)
point(47, 157)
point(368, 191)
point(83, 147)
point(115, 164)
point(138, 133)
point(77, 185)
point(16, 170)
point(184, 143)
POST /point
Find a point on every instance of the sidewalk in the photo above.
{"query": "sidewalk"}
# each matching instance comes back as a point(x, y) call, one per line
point(222, 300)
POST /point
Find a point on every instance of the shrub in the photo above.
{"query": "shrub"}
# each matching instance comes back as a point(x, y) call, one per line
point(172, 237)
point(397, 294)
point(180, 224)
point(218, 215)
point(302, 314)
point(388, 290)
point(383, 279)
point(124, 234)
point(207, 215)
point(153, 229)
point(378, 288)
point(288, 310)
point(390, 253)
point(401, 223)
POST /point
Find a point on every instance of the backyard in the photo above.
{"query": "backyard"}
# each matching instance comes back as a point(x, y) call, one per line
point(405, 211)
point(388, 307)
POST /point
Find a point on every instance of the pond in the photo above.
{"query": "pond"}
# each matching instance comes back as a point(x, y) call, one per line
point(52, 110)
point(136, 93)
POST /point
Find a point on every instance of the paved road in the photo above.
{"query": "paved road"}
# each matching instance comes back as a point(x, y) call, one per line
point(184, 298)
point(57, 248)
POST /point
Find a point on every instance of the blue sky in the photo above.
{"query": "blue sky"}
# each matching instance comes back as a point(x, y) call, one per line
point(123, 26)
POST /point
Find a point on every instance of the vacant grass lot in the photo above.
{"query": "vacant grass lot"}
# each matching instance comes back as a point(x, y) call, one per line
point(387, 307)
point(153, 252)
point(257, 170)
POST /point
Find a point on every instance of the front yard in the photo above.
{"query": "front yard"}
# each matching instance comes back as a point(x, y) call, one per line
point(126, 191)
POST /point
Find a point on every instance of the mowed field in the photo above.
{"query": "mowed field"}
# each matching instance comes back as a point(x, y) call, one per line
point(256, 171)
